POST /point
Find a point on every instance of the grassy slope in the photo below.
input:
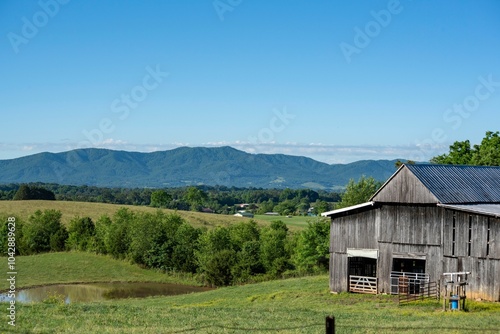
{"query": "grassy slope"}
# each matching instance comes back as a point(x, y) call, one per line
point(288, 306)
point(23, 209)
point(73, 267)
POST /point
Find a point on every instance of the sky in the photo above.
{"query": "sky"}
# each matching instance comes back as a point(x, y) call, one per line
point(337, 81)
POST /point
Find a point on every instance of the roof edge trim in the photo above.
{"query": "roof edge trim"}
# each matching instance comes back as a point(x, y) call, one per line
point(347, 209)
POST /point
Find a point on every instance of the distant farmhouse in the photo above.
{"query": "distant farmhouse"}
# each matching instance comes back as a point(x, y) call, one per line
point(426, 220)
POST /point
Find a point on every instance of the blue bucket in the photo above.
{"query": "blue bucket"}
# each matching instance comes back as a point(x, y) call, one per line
point(454, 303)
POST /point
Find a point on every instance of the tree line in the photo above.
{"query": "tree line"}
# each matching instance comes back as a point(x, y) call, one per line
point(220, 256)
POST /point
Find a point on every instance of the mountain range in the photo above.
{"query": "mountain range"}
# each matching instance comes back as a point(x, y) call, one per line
point(186, 166)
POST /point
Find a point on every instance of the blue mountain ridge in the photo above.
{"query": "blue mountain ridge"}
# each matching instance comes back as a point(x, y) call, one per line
point(186, 166)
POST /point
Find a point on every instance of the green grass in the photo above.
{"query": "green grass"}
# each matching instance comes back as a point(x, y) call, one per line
point(293, 221)
point(72, 267)
point(23, 209)
point(286, 306)
point(297, 305)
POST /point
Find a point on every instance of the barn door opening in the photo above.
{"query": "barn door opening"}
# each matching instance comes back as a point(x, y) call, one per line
point(362, 270)
point(408, 275)
point(363, 266)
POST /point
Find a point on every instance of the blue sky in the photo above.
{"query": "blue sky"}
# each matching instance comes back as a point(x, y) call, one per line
point(337, 81)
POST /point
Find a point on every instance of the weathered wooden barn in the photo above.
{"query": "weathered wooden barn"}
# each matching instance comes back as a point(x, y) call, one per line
point(424, 221)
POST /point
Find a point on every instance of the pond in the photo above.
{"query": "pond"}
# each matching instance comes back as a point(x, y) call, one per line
point(91, 292)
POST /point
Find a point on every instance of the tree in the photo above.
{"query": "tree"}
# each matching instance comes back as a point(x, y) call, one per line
point(358, 192)
point(273, 248)
point(461, 153)
point(118, 234)
point(488, 152)
point(196, 197)
point(266, 206)
point(183, 255)
point(154, 240)
point(160, 199)
point(313, 245)
point(287, 207)
point(215, 256)
point(81, 232)
point(44, 232)
point(23, 193)
point(320, 207)
point(26, 192)
point(101, 235)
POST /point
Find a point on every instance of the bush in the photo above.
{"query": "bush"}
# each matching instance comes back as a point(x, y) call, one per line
point(44, 232)
point(81, 232)
point(118, 236)
point(98, 242)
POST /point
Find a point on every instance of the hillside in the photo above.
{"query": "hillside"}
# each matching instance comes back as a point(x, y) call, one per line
point(23, 209)
point(187, 166)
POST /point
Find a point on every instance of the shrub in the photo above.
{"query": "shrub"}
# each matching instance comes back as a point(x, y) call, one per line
point(81, 232)
point(44, 232)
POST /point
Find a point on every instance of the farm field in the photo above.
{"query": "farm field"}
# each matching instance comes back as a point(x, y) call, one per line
point(297, 305)
point(293, 221)
point(23, 209)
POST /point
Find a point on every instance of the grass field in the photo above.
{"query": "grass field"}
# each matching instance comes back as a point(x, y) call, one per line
point(23, 209)
point(293, 221)
point(72, 267)
point(297, 305)
point(286, 306)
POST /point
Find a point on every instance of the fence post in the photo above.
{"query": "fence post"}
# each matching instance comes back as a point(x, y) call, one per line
point(330, 325)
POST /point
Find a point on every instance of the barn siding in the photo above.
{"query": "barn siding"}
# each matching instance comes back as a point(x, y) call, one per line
point(384, 267)
point(404, 187)
point(416, 225)
point(424, 230)
point(338, 276)
point(355, 231)
point(494, 238)
point(484, 279)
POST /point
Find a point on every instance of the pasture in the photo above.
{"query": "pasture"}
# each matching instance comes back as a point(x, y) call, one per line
point(23, 209)
point(297, 305)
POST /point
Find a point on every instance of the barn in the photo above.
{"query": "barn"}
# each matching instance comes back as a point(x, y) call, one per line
point(426, 220)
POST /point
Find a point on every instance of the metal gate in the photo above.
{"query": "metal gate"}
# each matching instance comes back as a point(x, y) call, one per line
point(363, 284)
point(408, 282)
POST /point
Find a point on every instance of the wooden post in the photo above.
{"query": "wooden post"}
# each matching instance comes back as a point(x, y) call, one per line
point(330, 325)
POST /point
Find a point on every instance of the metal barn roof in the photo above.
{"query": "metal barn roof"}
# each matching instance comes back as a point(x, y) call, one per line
point(484, 209)
point(460, 184)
